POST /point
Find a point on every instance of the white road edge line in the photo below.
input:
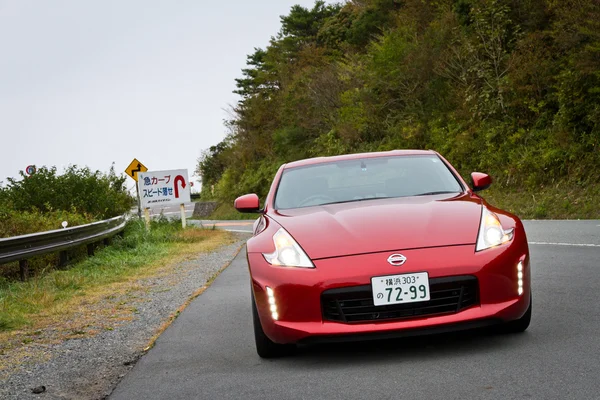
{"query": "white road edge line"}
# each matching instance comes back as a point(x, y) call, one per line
point(237, 230)
point(167, 213)
point(566, 244)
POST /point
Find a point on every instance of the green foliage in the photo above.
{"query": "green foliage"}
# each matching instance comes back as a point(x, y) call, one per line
point(76, 191)
point(303, 25)
point(211, 165)
point(44, 200)
point(14, 223)
point(509, 87)
point(226, 211)
point(255, 179)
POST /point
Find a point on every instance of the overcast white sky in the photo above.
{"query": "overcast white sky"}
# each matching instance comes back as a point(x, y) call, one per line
point(96, 81)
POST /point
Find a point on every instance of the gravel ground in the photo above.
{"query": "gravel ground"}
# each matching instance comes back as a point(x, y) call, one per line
point(89, 367)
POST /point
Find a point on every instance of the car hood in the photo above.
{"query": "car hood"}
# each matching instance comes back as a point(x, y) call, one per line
point(383, 224)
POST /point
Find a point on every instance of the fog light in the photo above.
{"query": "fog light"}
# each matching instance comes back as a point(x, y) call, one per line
point(273, 305)
point(520, 278)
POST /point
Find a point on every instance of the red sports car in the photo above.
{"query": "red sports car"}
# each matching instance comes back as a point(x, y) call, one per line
point(379, 245)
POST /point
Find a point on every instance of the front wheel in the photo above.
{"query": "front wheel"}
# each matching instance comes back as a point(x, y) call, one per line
point(521, 324)
point(265, 347)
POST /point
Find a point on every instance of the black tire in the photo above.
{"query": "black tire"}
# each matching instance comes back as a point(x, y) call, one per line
point(521, 324)
point(265, 347)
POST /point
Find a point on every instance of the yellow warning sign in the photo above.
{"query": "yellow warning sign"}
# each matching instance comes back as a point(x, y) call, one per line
point(134, 168)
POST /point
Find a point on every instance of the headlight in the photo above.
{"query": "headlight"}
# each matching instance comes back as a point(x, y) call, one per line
point(287, 252)
point(491, 232)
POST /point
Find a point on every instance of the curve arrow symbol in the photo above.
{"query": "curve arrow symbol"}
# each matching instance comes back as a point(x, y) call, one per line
point(177, 179)
point(138, 169)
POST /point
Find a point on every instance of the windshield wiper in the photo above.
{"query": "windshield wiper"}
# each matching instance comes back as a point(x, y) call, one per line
point(350, 201)
point(433, 193)
point(383, 197)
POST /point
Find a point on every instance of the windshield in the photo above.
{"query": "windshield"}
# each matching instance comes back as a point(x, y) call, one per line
point(364, 179)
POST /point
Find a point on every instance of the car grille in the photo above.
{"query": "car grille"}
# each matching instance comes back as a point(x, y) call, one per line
point(353, 304)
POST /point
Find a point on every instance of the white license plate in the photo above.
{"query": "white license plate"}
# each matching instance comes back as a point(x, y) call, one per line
point(397, 289)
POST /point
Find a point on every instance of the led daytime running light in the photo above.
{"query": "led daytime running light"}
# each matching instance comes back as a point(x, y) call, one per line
point(520, 278)
point(272, 303)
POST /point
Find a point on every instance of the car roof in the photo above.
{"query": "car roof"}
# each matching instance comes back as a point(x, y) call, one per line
point(392, 153)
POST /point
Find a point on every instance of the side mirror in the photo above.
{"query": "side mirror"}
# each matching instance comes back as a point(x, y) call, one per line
point(247, 203)
point(481, 181)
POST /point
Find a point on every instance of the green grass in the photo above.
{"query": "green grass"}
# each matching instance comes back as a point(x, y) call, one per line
point(558, 201)
point(14, 223)
point(225, 211)
point(50, 295)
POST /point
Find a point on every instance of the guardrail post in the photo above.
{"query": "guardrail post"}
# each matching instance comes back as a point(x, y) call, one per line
point(24, 269)
point(90, 249)
point(63, 259)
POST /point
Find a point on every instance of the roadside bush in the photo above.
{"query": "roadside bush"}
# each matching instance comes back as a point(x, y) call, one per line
point(78, 190)
point(14, 223)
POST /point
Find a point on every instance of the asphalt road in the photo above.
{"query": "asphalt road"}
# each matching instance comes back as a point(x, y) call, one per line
point(208, 352)
point(170, 211)
point(244, 226)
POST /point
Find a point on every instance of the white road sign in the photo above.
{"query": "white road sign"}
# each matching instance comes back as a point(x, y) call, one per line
point(164, 187)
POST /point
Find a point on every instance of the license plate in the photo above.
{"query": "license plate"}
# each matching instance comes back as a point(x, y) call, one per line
point(397, 289)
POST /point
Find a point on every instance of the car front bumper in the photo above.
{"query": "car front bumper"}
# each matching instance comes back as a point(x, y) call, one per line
point(297, 291)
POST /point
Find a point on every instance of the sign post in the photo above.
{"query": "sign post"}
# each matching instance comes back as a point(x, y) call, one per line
point(147, 217)
point(132, 171)
point(169, 188)
point(137, 192)
point(183, 221)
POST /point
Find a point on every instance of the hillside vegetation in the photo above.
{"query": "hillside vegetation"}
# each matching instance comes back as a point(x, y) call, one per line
point(507, 87)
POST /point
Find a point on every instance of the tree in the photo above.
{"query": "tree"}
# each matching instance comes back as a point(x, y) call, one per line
point(507, 86)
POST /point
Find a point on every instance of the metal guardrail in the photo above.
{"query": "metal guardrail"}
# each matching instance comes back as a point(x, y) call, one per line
point(20, 248)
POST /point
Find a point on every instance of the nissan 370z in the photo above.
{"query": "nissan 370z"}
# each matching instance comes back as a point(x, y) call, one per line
point(379, 245)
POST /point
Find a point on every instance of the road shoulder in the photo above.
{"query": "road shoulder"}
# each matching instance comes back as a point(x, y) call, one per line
point(90, 365)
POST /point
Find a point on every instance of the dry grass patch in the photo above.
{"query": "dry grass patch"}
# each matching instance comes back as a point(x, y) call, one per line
point(97, 294)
